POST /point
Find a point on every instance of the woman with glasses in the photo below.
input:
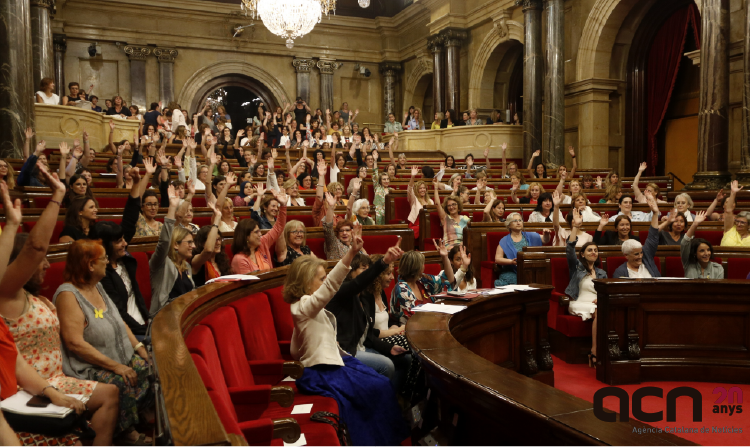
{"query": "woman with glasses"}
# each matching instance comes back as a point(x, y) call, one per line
point(736, 228)
point(513, 243)
point(338, 239)
point(251, 250)
point(292, 244)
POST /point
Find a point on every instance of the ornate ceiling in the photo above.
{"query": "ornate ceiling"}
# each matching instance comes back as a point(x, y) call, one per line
point(350, 8)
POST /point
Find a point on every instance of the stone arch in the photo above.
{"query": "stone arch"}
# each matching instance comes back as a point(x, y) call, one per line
point(416, 85)
point(503, 31)
point(230, 67)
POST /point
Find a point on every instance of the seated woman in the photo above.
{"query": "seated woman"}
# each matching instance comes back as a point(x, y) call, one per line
point(540, 171)
point(451, 219)
point(364, 397)
point(652, 188)
point(697, 254)
point(382, 183)
point(416, 194)
point(97, 344)
point(581, 291)
point(251, 250)
point(120, 282)
point(360, 212)
point(575, 187)
point(613, 194)
point(640, 256)
point(246, 194)
point(227, 221)
point(361, 175)
point(736, 228)
point(494, 211)
point(78, 187)
point(534, 191)
point(587, 182)
point(544, 210)
point(623, 227)
point(338, 239)
point(81, 216)
point(672, 229)
point(579, 201)
point(210, 260)
point(625, 209)
point(147, 225)
point(184, 217)
point(513, 243)
point(488, 194)
point(612, 179)
point(563, 171)
point(354, 308)
point(560, 235)
point(683, 204)
point(461, 263)
point(413, 287)
point(292, 244)
point(269, 207)
point(169, 268)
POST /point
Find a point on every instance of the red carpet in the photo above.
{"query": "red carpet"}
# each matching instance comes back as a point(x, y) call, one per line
point(579, 380)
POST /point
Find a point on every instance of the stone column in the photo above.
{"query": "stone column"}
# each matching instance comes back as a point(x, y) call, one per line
point(303, 67)
point(59, 44)
point(435, 45)
point(713, 124)
point(166, 57)
point(137, 56)
point(327, 68)
point(744, 167)
point(390, 71)
point(452, 39)
point(533, 77)
point(16, 89)
point(41, 41)
point(553, 118)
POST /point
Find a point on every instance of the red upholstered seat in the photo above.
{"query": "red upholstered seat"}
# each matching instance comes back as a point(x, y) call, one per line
point(201, 221)
point(112, 202)
point(738, 268)
point(53, 278)
point(379, 244)
point(573, 326)
point(142, 276)
point(712, 236)
point(284, 323)
point(674, 267)
point(488, 265)
point(199, 201)
point(306, 219)
point(401, 207)
point(317, 245)
point(558, 315)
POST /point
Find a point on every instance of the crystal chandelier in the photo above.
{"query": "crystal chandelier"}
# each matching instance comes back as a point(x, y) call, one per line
point(288, 19)
point(364, 3)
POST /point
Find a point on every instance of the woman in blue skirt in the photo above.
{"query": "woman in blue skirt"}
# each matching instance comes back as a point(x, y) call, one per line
point(366, 401)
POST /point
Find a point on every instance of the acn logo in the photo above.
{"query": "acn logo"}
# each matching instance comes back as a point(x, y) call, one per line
point(600, 413)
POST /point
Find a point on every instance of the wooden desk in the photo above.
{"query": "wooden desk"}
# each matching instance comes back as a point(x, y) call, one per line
point(472, 360)
point(696, 330)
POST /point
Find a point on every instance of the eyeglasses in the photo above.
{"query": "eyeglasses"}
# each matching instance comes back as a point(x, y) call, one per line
point(345, 230)
point(297, 232)
point(104, 258)
point(189, 243)
point(152, 205)
point(740, 222)
point(517, 220)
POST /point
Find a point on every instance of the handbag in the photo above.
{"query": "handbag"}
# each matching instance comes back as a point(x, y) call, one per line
point(50, 426)
point(340, 427)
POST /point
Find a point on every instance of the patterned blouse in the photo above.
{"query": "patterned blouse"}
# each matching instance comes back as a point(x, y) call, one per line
point(144, 230)
point(379, 200)
point(403, 299)
point(455, 231)
point(292, 254)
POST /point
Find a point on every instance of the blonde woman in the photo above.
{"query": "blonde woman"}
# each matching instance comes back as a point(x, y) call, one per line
point(533, 193)
point(7, 174)
point(613, 194)
point(227, 221)
point(292, 244)
point(418, 198)
point(436, 122)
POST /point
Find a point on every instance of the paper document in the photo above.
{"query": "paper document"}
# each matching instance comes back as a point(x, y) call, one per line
point(671, 277)
point(302, 409)
point(441, 308)
point(515, 287)
point(301, 441)
point(17, 404)
point(289, 379)
point(230, 278)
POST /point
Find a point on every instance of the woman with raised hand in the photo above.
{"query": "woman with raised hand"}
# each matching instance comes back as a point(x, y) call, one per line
point(382, 183)
point(582, 271)
point(451, 218)
point(417, 195)
point(651, 187)
point(338, 239)
point(534, 191)
point(292, 244)
point(513, 243)
point(269, 207)
point(613, 194)
point(625, 209)
point(81, 216)
point(413, 287)
point(697, 254)
point(251, 250)
point(360, 212)
point(544, 211)
point(365, 399)
point(494, 211)
point(736, 228)
point(622, 233)
point(461, 262)
point(30, 330)
point(561, 234)
point(675, 227)
point(579, 201)
point(209, 260)
point(540, 171)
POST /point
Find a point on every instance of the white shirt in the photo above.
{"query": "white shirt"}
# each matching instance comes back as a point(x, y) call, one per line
point(131, 308)
point(642, 272)
point(178, 119)
point(636, 216)
point(334, 174)
point(52, 100)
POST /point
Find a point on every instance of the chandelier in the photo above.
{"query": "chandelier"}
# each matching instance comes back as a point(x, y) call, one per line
point(288, 19)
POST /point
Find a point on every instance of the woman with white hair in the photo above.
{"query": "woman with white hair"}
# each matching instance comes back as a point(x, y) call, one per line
point(513, 243)
point(360, 212)
point(683, 204)
point(640, 262)
point(736, 228)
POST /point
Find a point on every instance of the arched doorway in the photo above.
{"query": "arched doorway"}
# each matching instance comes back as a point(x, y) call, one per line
point(243, 96)
point(501, 86)
point(422, 98)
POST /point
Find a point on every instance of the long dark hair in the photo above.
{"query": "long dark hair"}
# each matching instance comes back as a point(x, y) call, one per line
point(220, 258)
point(71, 195)
point(694, 245)
point(470, 270)
point(545, 171)
point(240, 235)
point(109, 233)
point(72, 214)
point(598, 263)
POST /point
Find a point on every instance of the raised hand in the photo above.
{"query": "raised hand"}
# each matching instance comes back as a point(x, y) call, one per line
point(270, 163)
point(536, 154)
point(41, 146)
point(598, 182)
point(260, 189)
point(280, 196)
point(156, 138)
point(214, 159)
point(112, 125)
point(76, 142)
point(145, 139)
point(442, 165)
point(149, 166)
point(29, 133)
point(469, 161)
point(700, 217)
point(177, 162)
point(643, 166)
point(652, 203)
point(604, 219)
point(190, 188)
point(357, 230)
point(192, 144)
point(503, 147)
point(52, 180)
point(84, 136)
point(576, 218)
point(563, 175)
point(357, 184)
point(240, 133)
point(161, 158)
point(134, 173)
point(672, 214)
point(12, 207)
point(720, 196)
point(118, 151)
point(274, 153)
point(557, 198)
point(486, 152)
point(253, 159)
point(442, 250)
point(571, 151)
point(330, 199)
point(735, 187)
point(415, 170)
point(64, 149)
point(173, 196)
point(230, 179)
point(322, 168)
point(466, 259)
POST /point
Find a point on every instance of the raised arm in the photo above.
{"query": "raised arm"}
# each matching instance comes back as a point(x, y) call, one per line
point(390, 151)
point(64, 151)
point(353, 196)
point(438, 206)
point(208, 251)
point(573, 162)
point(560, 187)
point(447, 267)
point(150, 168)
point(230, 180)
point(699, 218)
point(668, 222)
point(331, 205)
point(505, 168)
point(13, 218)
point(654, 208)
point(487, 160)
point(86, 159)
point(638, 196)
point(714, 203)
point(557, 197)
point(27, 142)
point(529, 165)
point(730, 204)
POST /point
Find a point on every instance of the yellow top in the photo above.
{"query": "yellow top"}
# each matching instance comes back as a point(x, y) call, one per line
point(435, 126)
point(733, 239)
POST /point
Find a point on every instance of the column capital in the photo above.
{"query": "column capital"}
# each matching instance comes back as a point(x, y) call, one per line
point(165, 54)
point(435, 43)
point(59, 42)
point(303, 65)
point(453, 37)
point(49, 4)
point(390, 68)
point(530, 4)
point(328, 66)
point(137, 52)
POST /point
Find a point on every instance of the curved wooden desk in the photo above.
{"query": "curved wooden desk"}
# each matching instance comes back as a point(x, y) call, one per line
point(696, 330)
point(471, 360)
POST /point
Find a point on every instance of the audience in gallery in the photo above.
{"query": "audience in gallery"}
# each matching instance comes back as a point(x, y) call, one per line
point(368, 324)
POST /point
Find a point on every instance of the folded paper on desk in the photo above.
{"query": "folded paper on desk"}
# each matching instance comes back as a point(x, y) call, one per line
point(440, 308)
point(515, 287)
point(17, 404)
point(231, 278)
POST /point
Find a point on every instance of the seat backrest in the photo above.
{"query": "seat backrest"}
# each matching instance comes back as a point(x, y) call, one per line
point(284, 322)
point(53, 278)
point(712, 236)
point(317, 245)
point(378, 244)
point(112, 202)
point(674, 267)
point(493, 240)
point(615, 262)
point(224, 325)
point(431, 269)
point(222, 404)
point(739, 268)
point(560, 274)
point(401, 208)
point(143, 277)
point(257, 327)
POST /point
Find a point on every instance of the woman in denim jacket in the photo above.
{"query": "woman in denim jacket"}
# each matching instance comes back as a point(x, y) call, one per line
point(583, 271)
